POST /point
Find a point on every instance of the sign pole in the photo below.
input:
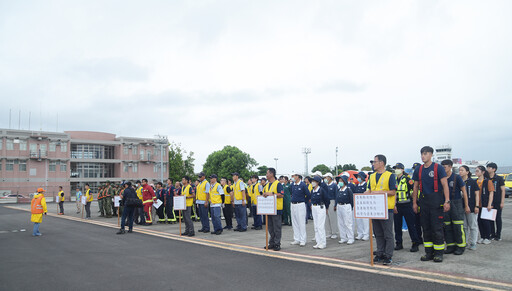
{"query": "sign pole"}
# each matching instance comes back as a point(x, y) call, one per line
point(371, 242)
point(266, 231)
point(82, 210)
point(180, 220)
point(118, 208)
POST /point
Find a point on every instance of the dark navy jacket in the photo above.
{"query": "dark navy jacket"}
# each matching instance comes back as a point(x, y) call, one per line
point(332, 190)
point(319, 196)
point(345, 196)
point(360, 188)
point(300, 193)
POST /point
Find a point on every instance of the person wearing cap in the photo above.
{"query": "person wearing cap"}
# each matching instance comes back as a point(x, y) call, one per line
point(319, 203)
point(202, 198)
point(383, 182)
point(240, 203)
point(38, 208)
point(300, 194)
point(274, 188)
point(331, 221)
point(403, 209)
point(362, 224)
point(227, 206)
point(215, 195)
point(257, 189)
point(188, 192)
point(88, 200)
point(417, 216)
point(343, 206)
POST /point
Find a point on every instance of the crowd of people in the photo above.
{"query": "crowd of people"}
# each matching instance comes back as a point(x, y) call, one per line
point(442, 209)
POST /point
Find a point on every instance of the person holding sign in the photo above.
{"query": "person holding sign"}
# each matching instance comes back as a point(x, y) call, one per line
point(487, 189)
point(160, 195)
point(300, 194)
point(434, 201)
point(380, 182)
point(240, 203)
point(188, 192)
point(274, 188)
point(319, 204)
point(216, 192)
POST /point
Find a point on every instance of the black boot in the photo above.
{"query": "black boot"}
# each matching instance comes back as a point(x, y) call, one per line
point(414, 248)
point(398, 247)
point(449, 250)
point(121, 231)
point(459, 251)
point(438, 256)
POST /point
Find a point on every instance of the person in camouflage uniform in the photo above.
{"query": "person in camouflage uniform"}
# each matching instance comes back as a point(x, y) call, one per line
point(100, 201)
point(108, 194)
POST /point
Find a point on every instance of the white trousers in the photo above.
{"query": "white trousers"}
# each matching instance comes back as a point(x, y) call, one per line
point(299, 222)
point(363, 227)
point(345, 222)
point(471, 227)
point(319, 222)
point(331, 222)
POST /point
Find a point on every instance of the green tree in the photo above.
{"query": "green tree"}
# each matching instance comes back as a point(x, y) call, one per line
point(322, 168)
point(344, 168)
point(228, 160)
point(366, 168)
point(262, 171)
point(179, 165)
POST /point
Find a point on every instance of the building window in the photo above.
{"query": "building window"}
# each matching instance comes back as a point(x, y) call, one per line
point(63, 147)
point(149, 156)
point(125, 167)
point(9, 165)
point(134, 150)
point(125, 149)
point(52, 147)
point(155, 168)
point(9, 145)
point(52, 166)
point(23, 145)
point(63, 166)
point(42, 150)
point(1, 143)
point(142, 154)
point(22, 167)
point(135, 167)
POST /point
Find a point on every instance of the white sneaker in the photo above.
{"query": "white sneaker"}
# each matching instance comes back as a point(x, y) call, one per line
point(350, 241)
point(294, 243)
point(342, 241)
point(315, 246)
point(321, 247)
point(486, 241)
point(334, 236)
point(303, 244)
point(366, 238)
point(359, 237)
point(480, 241)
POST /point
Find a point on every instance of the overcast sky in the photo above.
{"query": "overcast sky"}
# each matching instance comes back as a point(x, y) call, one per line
point(269, 77)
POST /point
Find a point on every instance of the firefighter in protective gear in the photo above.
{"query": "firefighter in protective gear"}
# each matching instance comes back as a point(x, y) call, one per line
point(169, 203)
point(148, 197)
point(160, 195)
point(38, 208)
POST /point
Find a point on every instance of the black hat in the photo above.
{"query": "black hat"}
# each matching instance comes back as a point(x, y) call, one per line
point(213, 176)
point(415, 165)
point(201, 174)
point(235, 174)
point(399, 166)
point(318, 179)
point(362, 175)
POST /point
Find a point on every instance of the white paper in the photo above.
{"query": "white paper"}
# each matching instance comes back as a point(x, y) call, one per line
point(158, 203)
point(489, 215)
point(57, 199)
point(374, 206)
point(84, 200)
point(180, 203)
point(266, 205)
point(117, 201)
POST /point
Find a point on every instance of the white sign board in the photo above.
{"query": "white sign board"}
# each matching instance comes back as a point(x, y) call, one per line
point(158, 203)
point(57, 199)
point(266, 205)
point(373, 206)
point(488, 215)
point(117, 201)
point(180, 203)
point(84, 200)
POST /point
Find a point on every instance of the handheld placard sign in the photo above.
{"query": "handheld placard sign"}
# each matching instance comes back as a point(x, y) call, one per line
point(180, 203)
point(371, 206)
point(266, 206)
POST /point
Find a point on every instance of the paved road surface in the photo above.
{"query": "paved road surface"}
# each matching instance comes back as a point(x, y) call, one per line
point(78, 256)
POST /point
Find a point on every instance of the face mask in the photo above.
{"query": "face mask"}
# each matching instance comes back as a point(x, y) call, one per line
point(314, 184)
point(359, 180)
point(398, 172)
point(325, 180)
point(341, 184)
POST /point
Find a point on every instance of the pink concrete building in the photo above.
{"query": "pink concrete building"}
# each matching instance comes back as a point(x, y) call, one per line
point(32, 159)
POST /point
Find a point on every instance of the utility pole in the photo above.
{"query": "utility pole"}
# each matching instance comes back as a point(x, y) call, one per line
point(336, 161)
point(306, 152)
point(275, 159)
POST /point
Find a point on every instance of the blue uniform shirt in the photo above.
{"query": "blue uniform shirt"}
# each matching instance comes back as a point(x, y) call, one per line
point(427, 178)
point(345, 196)
point(300, 193)
point(318, 196)
point(332, 190)
point(455, 194)
point(361, 188)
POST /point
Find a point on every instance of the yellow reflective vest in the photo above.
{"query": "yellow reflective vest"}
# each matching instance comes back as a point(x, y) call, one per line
point(227, 196)
point(201, 191)
point(382, 185)
point(215, 196)
point(255, 193)
point(61, 196)
point(236, 189)
point(272, 188)
point(88, 196)
point(185, 191)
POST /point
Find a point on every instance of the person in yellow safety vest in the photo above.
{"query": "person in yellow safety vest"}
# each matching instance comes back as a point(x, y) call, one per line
point(139, 211)
point(274, 188)
point(248, 188)
point(188, 192)
point(38, 208)
point(383, 182)
point(228, 207)
point(202, 198)
point(256, 191)
point(240, 203)
point(215, 197)
point(88, 200)
point(61, 201)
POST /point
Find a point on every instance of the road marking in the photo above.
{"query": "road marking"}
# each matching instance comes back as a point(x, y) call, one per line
point(330, 262)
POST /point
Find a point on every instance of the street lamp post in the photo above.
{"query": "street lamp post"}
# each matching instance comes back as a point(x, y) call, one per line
point(275, 159)
point(336, 161)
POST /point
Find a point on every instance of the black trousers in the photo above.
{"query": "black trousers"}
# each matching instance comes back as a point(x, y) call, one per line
point(61, 207)
point(88, 210)
point(139, 217)
point(432, 220)
point(228, 215)
point(496, 226)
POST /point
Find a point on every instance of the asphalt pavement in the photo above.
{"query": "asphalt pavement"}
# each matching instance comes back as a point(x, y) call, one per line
point(72, 255)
